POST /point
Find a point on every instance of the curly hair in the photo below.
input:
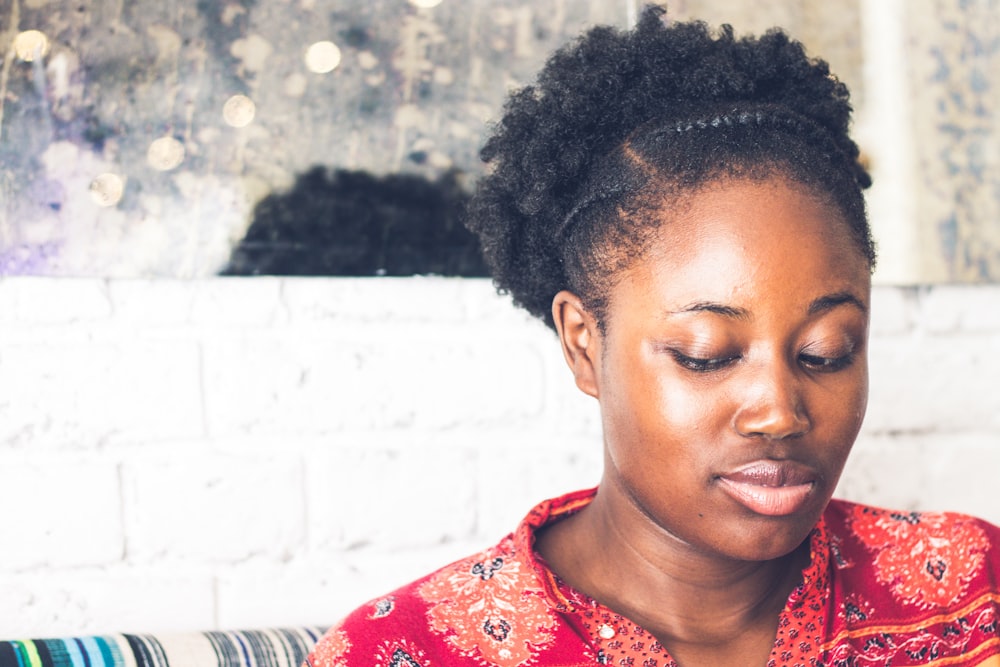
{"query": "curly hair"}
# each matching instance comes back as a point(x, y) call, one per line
point(617, 120)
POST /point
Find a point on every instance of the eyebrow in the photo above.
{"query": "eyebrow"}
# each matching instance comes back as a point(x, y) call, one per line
point(831, 301)
point(820, 305)
point(713, 307)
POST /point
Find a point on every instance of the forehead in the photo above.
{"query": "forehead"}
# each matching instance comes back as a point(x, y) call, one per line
point(755, 242)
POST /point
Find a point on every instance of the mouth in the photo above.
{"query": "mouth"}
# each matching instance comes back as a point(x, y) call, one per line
point(770, 488)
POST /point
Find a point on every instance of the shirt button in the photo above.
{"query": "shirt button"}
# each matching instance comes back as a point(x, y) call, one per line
point(606, 632)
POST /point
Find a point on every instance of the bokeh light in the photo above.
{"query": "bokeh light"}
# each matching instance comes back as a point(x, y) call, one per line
point(425, 4)
point(322, 57)
point(165, 153)
point(238, 111)
point(31, 45)
point(107, 189)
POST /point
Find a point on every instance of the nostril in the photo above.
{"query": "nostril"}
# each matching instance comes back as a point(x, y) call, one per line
point(772, 419)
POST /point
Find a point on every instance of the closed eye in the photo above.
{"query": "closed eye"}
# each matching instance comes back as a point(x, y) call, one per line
point(702, 365)
point(826, 364)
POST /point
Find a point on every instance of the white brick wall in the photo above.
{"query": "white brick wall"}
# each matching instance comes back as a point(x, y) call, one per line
point(249, 452)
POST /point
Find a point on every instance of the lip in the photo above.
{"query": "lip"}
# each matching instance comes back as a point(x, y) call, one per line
point(770, 488)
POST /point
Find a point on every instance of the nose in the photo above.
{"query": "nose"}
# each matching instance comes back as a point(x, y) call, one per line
point(773, 405)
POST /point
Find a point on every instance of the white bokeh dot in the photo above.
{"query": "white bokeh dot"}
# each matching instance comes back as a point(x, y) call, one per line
point(322, 57)
point(239, 111)
point(107, 189)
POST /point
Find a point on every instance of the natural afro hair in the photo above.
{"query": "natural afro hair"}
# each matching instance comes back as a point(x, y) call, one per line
point(618, 119)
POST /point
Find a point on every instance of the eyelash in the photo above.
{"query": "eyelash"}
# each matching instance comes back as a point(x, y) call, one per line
point(815, 363)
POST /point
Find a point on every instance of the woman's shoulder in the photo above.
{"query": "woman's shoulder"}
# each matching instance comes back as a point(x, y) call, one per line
point(426, 618)
point(873, 524)
point(915, 559)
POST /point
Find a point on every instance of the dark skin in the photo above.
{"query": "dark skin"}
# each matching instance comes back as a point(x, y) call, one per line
point(732, 378)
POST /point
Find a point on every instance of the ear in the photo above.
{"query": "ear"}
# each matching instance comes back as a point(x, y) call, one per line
point(580, 339)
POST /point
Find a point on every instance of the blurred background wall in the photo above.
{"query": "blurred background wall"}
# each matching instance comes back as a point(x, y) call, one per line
point(137, 137)
point(185, 452)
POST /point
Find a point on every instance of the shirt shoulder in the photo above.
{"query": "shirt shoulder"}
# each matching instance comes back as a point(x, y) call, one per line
point(495, 607)
point(916, 560)
point(441, 618)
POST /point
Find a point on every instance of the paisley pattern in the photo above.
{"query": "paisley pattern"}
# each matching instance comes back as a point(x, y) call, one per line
point(332, 650)
point(490, 608)
point(926, 559)
point(881, 588)
point(400, 654)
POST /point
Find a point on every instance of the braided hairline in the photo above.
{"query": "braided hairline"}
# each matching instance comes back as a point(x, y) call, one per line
point(765, 115)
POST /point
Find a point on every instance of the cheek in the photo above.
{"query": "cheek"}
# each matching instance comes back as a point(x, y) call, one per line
point(662, 414)
point(854, 398)
point(842, 414)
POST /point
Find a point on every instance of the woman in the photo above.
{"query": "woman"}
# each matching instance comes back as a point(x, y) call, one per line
point(685, 210)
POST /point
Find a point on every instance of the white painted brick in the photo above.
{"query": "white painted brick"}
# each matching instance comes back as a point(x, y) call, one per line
point(934, 383)
point(150, 305)
point(482, 304)
point(930, 472)
point(520, 470)
point(395, 500)
point(238, 302)
point(262, 594)
point(53, 300)
point(60, 514)
point(324, 590)
point(967, 308)
point(431, 416)
point(9, 295)
point(892, 310)
point(201, 507)
point(885, 472)
point(568, 411)
point(81, 395)
point(418, 299)
point(53, 604)
point(315, 387)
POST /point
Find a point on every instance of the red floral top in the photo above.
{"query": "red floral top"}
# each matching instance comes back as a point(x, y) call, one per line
point(882, 588)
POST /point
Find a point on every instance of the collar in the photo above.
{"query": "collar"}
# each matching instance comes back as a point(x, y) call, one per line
point(812, 593)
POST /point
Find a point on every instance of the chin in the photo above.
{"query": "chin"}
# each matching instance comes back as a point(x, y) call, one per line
point(769, 538)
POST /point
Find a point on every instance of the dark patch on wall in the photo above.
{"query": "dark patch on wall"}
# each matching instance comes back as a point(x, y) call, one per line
point(353, 223)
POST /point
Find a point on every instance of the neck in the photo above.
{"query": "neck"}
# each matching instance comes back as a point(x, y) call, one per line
point(681, 594)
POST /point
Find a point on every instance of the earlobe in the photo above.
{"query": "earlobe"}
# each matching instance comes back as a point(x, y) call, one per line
point(580, 339)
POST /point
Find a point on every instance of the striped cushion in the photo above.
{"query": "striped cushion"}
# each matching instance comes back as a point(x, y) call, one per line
point(286, 647)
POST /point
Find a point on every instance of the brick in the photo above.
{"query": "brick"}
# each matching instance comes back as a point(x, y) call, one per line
point(322, 590)
point(481, 303)
point(418, 299)
point(262, 594)
point(198, 507)
point(297, 386)
point(54, 300)
point(892, 310)
point(150, 305)
point(238, 302)
point(60, 604)
point(80, 395)
point(519, 470)
point(961, 308)
point(9, 291)
point(884, 471)
point(934, 383)
point(60, 514)
point(927, 472)
point(395, 499)
point(154, 305)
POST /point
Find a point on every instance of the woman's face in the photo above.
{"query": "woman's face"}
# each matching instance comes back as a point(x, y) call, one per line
point(732, 374)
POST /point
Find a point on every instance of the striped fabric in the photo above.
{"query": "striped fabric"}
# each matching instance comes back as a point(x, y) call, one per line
point(286, 647)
